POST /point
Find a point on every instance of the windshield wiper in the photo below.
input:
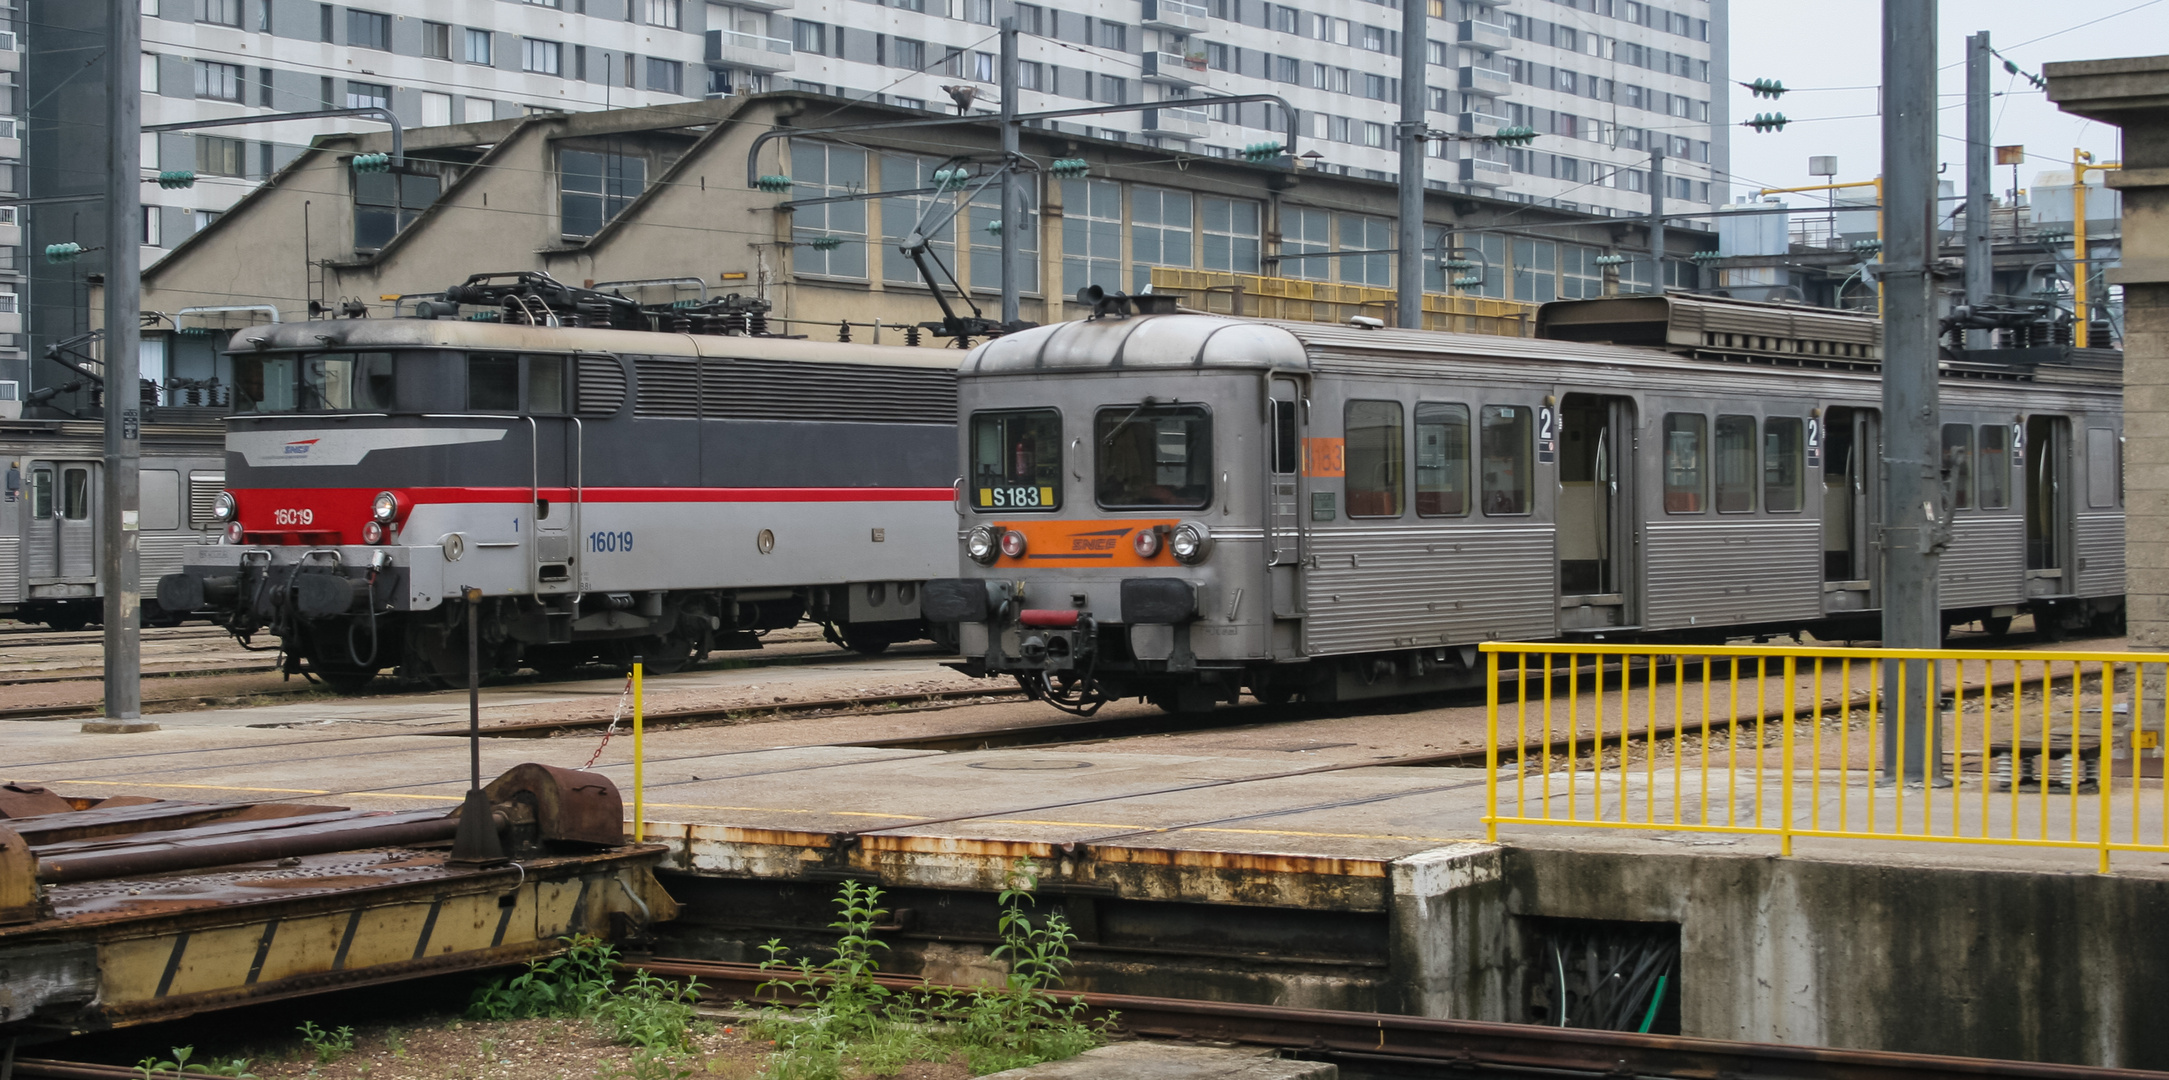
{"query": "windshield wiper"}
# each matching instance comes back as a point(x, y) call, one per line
point(1125, 421)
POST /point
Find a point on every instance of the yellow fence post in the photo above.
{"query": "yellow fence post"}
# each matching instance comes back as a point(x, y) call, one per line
point(1491, 749)
point(1784, 843)
point(640, 780)
point(2105, 782)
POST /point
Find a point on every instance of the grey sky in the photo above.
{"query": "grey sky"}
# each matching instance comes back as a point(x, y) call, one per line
point(1835, 43)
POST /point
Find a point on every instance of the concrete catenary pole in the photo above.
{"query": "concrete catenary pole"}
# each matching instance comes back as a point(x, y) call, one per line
point(117, 565)
point(1656, 217)
point(1014, 214)
point(1915, 512)
point(1980, 260)
point(1415, 55)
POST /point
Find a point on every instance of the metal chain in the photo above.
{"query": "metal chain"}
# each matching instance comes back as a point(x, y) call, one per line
point(623, 697)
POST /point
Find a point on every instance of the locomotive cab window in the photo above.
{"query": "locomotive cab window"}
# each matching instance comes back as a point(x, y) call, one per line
point(1735, 464)
point(1781, 441)
point(1686, 446)
point(546, 385)
point(1442, 460)
point(1153, 456)
point(1016, 460)
point(1958, 463)
point(1994, 468)
point(1504, 434)
point(493, 383)
point(312, 382)
point(1372, 459)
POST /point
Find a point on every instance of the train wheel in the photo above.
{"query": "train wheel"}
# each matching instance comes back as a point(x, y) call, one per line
point(68, 622)
point(865, 643)
point(664, 655)
point(1997, 626)
point(343, 678)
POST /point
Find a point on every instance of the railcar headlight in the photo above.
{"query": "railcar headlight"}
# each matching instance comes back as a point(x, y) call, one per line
point(1146, 543)
point(224, 507)
point(979, 544)
point(385, 509)
point(1013, 544)
point(233, 532)
point(1191, 542)
point(372, 533)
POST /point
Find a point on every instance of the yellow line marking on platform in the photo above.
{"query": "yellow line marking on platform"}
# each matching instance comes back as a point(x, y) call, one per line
point(271, 790)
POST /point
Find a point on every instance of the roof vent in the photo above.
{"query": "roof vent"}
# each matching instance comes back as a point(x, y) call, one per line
point(1367, 323)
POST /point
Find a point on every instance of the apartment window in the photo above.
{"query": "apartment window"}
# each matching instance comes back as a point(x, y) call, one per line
point(979, 11)
point(477, 50)
point(436, 41)
point(1110, 89)
point(1029, 76)
point(1374, 38)
point(1231, 234)
point(595, 187)
point(542, 57)
point(547, 3)
point(474, 110)
point(1363, 233)
point(222, 12)
point(986, 211)
point(151, 235)
point(1287, 20)
point(664, 13)
point(1030, 19)
point(217, 155)
point(436, 109)
point(1377, 87)
point(264, 87)
point(1374, 135)
point(1303, 232)
point(323, 12)
point(1114, 36)
point(820, 169)
point(812, 37)
point(361, 95)
point(900, 215)
point(908, 53)
point(368, 29)
point(1091, 235)
point(1735, 464)
point(222, 82)
point(1287, 69)
point(385, 203)
point(666, 76)
point(1535, 270)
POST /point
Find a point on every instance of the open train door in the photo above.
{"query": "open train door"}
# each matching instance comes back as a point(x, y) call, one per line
point(1284, 529)
point(1851, 445)
point(1596, 534)
point(2048, 506)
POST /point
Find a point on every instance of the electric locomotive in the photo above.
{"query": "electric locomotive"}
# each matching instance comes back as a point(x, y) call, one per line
point(1185, 507)
point(613, 488)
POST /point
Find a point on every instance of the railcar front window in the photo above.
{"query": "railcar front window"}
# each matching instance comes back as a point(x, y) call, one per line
point(1153, 455)
point(1504, 431)
point(1016, 460)
point(1995, 467)
point(493, 383)
point(1781, 441)
point(1735, 464)
point(1686, 441)
point(1442, 460)
point(1958, 463)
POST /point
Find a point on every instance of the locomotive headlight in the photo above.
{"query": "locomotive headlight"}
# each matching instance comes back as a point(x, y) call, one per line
point(1146, 543)
point(372, 533)
point(385, 509)
point(1013, 544)
point(224, 507)
point(233, 532)
point(980, 544)
point(1191, 542)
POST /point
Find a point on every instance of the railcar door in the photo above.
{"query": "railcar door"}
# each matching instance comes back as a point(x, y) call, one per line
point(557, 461)
point(2048, 505)
point(1595, 537)
point(63, 533)
point(1284, 509)
point(1849, 508)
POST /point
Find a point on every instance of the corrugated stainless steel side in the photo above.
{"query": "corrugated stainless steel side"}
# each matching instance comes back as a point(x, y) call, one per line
point(1986, 562)
point(1708, 572)
point(161, 553)
point(1407, 586)
point(2101, 554)
point(40, 554)
point(11, 569)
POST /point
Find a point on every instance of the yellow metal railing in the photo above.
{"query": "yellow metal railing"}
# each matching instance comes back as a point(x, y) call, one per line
point(2018, 748)
point(1258, 297)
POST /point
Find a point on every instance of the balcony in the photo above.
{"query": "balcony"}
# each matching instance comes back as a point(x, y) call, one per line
point(755, 52)
point(11, 56)
point(1481, 80)
point(765, 5)
point(1177, 123)
point(1175, 69)
point(1486, 172)
point(1480, 123)
point(1490, 37)
point(1178, 16)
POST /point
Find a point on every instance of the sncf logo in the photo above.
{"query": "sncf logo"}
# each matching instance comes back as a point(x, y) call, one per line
point(1104, 540)
point(299, 446)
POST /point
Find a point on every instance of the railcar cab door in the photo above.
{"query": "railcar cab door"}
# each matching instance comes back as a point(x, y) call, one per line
point(1284, 498)
point(2048, 506)
point(1851, 504)
point(62, 537)
point(1595, 440)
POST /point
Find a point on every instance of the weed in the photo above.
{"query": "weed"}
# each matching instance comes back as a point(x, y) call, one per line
point(179, 1064)
point(572, 983)
point(328, 1046)
point(654, 1014)
point(649, 1065)
point(395, 1041)
point(486, 1048)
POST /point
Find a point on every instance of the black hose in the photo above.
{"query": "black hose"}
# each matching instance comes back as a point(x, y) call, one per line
point(370, 583)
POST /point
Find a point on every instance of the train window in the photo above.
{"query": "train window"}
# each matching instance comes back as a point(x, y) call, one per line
point(493, 383)
point(2102, 477)
point(1153, 456)
point(1284, 457)
point(160, 494)
point(1995, 467)
point(41, 494)
point(75, 494)
point(1504, 434)
point(264, 384)
point(546, 384)
point(1017, 460)
point(1374, 459)
point(373, 383)
point(1782, 438)
point(1442, 460)
point(1686, 446)
point(1958, 464)
point(1735, 464)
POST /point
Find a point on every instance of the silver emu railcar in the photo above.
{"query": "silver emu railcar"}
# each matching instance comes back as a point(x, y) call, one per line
point(1183, 507)
point(50, 522)
point(612, 492)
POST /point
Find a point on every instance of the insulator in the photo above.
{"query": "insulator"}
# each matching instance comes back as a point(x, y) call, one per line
point(681, 323)
point(843, 330)
point(911, 336)
point(757, 324)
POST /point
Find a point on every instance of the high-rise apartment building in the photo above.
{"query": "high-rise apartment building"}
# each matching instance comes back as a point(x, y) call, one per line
point(1603, 82)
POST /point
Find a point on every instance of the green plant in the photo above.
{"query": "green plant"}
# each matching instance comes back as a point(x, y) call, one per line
point(1022, 1023)
point(395, 1041)
point(654, 1014)
point(572, 983)
point(180, 1065)
point(648, 1065)
point(328, 1046)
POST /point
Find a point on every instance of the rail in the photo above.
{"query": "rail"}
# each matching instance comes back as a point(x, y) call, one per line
point(2020, 749)
point(1256, 296)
